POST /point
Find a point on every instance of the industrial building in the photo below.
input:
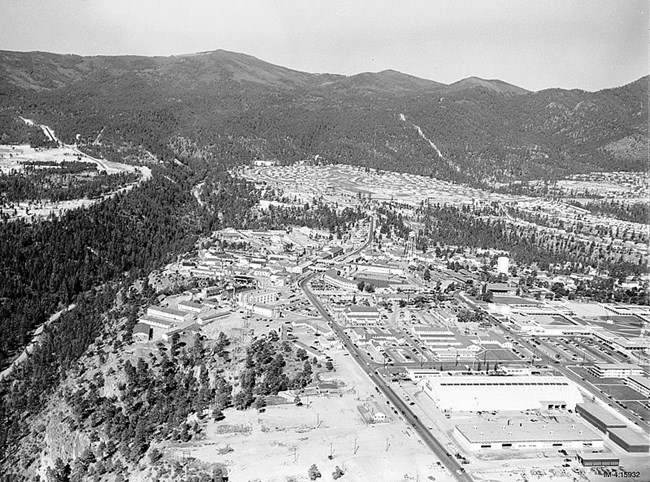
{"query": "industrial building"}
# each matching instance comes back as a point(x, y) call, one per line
point(332, 277)
point(615, 370)
point(639, 383)
point(630, 440)
point(265, 297)
point(483, 393)
point(527, 436)
point(597, 459)
point(599, 417)
point(170, 314)
point(361, 315)
point(190, 306)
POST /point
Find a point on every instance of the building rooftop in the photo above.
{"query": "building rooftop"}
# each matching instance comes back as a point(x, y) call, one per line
point(629, 436)
point(643, 381)
point(526, 432)
point(170, 311)
point(598, 412)
point(141, 328)
point(597, 456)
point(617, 366)
point(155, 319)
point(363, 309)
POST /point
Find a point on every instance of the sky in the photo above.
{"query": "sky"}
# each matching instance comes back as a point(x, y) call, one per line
point(583, 44)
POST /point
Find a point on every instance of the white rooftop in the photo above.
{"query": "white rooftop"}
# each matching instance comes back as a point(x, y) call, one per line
point(510, 393)
point(526, 432)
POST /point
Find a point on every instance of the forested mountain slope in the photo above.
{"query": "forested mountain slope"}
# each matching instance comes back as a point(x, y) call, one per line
point(232, 108)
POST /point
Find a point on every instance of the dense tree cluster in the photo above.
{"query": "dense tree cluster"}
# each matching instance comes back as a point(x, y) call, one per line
point(45, 265)
point(264, 372)
point(210, 107)
point(71, 181)
point(626, 211)
point(527, 244)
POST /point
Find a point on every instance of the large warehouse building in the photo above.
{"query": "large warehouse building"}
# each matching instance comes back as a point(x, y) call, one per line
point(599, 417)
point(527, 436)
point(484, 393)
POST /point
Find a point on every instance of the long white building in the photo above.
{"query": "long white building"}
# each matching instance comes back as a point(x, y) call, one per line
point(484, 393)
point(527, 436)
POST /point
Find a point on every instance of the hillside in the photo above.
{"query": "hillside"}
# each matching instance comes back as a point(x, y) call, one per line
point(232, 108)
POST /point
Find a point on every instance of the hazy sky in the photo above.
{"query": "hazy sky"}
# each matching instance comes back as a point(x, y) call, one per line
point(586, 44)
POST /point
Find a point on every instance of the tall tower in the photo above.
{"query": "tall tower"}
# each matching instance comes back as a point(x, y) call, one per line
point(503, 264)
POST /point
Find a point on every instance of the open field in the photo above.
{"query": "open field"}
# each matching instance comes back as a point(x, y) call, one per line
point(286, 440)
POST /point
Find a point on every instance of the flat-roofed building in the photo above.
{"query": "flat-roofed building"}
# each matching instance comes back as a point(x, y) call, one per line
point(331, 277)
point(423, 373)
point(639, 383)
point(501, 288)
point(265, 297)
point(630, 440)
point(527, 436)
point(598, 416)
point(436, 336)
point(361, 315)
point(598, 459)
point(190, 306)
point(615, 370)
point(269, 311)
point(167, 313)
point(212, 315)
point(484, 393)
point(378, 269)
point(185, 327)
point(515, 370)
point(624, 343)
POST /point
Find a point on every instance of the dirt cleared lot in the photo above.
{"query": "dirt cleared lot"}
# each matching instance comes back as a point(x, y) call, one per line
point(285, 440)
point(13, 157)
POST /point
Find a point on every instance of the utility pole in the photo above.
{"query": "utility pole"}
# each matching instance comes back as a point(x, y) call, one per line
point(356, 447)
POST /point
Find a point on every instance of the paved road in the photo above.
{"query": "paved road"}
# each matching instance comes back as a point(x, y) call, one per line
point(370, 369)
point(438, 448)
point(592, 390)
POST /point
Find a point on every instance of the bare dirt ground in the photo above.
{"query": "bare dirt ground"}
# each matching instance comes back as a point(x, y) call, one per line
point(13, 157)
point(284, 441)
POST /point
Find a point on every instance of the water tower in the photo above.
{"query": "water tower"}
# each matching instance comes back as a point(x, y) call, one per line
point(503, 264)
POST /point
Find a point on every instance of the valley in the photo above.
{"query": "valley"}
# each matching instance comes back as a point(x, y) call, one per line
point(215, 268)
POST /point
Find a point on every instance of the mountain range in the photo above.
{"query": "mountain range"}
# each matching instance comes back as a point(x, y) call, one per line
point(231, 108)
